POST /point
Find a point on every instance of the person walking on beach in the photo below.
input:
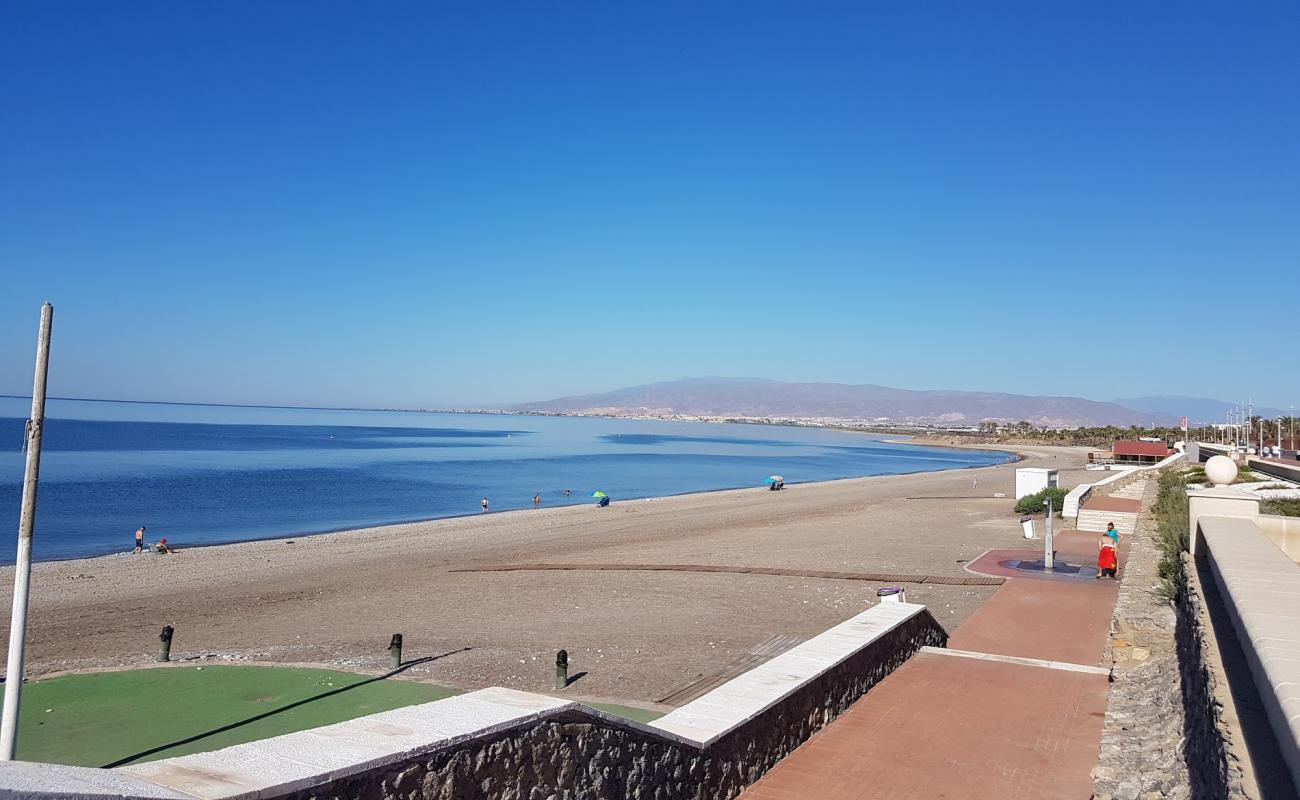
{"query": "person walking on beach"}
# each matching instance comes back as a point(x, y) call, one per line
point(139, 540)
point(484, 503)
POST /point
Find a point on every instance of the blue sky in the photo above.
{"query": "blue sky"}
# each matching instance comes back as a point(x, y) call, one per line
point(435, 204)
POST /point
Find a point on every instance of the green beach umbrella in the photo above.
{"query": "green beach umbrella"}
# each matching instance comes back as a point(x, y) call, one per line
point(598, 494)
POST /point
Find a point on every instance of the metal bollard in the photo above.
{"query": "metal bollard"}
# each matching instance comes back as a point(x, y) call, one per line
point(165, 652)
point(562, 670)
point(395, 650)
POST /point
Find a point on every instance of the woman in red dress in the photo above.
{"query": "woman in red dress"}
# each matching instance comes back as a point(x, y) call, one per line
point(1107, 561)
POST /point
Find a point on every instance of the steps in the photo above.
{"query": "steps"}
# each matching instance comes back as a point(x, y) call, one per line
point(1121, 507)
point(1095, 520)
point(1132, 491)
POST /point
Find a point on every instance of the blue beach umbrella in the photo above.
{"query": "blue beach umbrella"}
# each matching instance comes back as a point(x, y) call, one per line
point(774, 479)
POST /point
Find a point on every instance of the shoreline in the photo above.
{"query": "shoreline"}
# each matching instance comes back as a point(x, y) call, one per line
point(1014, 457)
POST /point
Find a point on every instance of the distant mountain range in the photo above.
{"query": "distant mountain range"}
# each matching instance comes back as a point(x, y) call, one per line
point(1197, 409)
point(758, 397)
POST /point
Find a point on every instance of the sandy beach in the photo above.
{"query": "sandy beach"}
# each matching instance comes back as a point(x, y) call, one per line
point(638, 636)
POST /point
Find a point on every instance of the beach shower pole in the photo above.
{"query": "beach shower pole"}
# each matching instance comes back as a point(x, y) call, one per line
point(23, 567)
point(1049, 551)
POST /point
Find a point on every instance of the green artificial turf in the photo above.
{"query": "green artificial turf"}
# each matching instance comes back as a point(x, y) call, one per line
point(638, 714)
point(114, 718)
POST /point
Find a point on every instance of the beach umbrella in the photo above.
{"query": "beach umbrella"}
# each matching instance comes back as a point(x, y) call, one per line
point(775, 479)
point(598, 494)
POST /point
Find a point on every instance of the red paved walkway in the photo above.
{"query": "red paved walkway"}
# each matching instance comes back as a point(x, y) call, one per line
point(1051, 620)
point(944, 726)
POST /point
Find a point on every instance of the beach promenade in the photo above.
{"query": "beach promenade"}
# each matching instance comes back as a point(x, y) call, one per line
point(635, 636)
point(1013, 708)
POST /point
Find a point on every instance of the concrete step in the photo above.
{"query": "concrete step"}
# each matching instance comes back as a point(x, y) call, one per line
point(1133, 490)
point(1125, 522)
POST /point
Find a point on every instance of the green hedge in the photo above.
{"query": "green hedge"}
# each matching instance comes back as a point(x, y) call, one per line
point(1171, 532)
point(1285, 508)
point(1033, 503)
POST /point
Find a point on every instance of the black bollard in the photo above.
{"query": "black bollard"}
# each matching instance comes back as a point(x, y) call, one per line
point(165, 652)
point(562, 670)
point(395, 650)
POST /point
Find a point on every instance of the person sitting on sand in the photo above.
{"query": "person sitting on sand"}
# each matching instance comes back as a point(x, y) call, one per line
point(139, 540)
point(162, 547)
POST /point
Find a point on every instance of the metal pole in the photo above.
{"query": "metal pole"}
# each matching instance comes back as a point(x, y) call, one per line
point(1049, 551)
point(27, 521)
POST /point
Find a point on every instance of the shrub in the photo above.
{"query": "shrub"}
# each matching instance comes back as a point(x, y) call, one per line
point(1033, 503)
point(1285, 508)
point(1171, 533)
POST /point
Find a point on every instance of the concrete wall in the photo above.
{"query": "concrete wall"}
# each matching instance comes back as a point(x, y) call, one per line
point(1260, 587)
point(500, 743)
point(1283, 532)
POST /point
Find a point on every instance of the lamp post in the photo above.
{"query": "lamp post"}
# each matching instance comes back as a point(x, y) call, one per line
point(1049, 552)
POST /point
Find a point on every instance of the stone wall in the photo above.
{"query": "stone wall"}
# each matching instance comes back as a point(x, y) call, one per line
point(1141, 743)
point(1165, 734)
point(1212, 770)
point(578, 755)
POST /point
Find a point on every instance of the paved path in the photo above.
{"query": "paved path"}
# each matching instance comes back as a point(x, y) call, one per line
point(984, 726)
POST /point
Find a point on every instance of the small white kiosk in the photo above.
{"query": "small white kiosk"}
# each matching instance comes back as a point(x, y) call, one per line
point(1031, 480)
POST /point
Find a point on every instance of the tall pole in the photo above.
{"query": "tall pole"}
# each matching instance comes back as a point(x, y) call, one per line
point(26, 523)
point(1049, 548)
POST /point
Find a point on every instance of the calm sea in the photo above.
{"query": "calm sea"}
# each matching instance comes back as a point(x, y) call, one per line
point(210, 474)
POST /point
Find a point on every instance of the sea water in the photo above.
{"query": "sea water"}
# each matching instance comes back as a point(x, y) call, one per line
point(200, 474)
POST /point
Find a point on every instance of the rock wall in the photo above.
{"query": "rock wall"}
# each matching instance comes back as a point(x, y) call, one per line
point(1212, 771)
point(1141, 741)
point(580, 756)
point(1163, 736)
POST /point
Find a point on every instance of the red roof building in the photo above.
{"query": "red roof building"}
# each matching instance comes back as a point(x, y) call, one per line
point(1140, 452)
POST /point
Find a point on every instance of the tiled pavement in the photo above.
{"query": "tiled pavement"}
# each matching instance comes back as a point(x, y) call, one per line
point(954, 728)
point(945, 727)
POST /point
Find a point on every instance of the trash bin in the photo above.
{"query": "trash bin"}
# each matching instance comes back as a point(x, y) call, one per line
point(1028, 524)
point(892, 594)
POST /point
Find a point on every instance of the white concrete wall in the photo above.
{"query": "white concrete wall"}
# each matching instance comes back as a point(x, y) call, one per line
point(1261, 589)
point(1283, 532)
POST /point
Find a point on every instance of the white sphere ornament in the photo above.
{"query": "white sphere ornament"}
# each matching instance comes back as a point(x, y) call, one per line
point(1221, 470)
